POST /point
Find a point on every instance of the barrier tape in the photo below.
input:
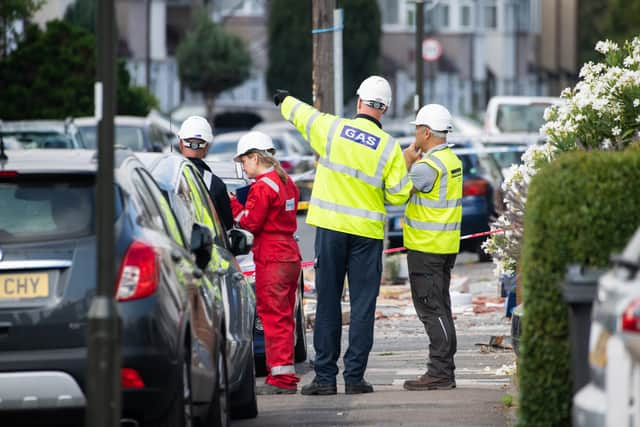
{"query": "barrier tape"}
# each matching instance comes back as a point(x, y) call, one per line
point(306, 264)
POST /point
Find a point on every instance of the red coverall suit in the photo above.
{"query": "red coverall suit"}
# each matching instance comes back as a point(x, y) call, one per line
point(270, 214)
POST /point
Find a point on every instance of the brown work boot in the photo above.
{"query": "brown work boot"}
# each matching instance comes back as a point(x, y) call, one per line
point(427, 382)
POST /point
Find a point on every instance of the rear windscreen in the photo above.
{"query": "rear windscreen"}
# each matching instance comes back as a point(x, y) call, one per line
point(521, 118)
point(126, 136)
point(46, 208)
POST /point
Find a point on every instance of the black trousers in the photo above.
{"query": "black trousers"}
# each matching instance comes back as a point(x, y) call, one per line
point(430, 276)
point(360, 258)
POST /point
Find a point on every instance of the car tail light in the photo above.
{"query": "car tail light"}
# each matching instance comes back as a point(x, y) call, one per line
point(130, 378)
point(8, 174)
point(475, 187)
point(138, 276)
point(287, 166)
point(631, 317)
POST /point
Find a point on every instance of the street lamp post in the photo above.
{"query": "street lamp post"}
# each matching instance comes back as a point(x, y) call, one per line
point(103, 374)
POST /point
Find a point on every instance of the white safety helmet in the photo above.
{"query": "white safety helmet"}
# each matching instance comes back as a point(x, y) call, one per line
point(196, 127)
point(254, 140)
point(375, 89)
point(435, 116)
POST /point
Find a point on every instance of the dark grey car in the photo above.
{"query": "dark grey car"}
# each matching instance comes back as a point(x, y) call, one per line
point(173, 348)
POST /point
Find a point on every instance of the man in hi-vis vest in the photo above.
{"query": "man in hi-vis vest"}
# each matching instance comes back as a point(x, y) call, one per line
point(360, 167)
point(431, 235)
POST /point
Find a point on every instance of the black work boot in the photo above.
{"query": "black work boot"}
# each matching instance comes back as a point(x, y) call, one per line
point(319, 389)
point(427, 382)
point(358, 388)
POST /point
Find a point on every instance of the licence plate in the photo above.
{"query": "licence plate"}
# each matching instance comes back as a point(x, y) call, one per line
point(24, 285)
point(598, 353)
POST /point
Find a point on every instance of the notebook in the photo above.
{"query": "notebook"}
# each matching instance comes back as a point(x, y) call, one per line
point(242, 193)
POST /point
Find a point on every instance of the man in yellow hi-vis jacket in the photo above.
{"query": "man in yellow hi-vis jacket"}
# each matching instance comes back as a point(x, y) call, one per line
point(360, 167)
point(431, 235)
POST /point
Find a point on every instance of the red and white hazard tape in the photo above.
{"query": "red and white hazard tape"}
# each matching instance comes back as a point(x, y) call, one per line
point(306, 264)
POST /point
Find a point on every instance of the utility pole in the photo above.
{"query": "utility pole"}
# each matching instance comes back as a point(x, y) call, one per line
point(103, 374)
point(418, 100)
point(147, 47)
point(322, 74)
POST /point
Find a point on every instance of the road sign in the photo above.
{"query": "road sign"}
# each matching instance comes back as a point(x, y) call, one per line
point(431, 49)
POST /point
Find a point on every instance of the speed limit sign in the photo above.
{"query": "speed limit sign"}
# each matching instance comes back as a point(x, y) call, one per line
point(431, 49)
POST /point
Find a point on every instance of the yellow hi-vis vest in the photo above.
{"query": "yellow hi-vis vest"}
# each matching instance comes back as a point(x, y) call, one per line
point(359, 168)
point(432, 220)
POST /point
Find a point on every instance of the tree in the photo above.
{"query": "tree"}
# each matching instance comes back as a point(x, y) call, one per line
point(290, 45)
point(52, 73)
point(617, 20)
point(12, 11)
point(211, 61)
point(82, 13)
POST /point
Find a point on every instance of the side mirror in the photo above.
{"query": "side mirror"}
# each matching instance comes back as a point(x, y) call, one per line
point(241, 241)
point(201, 245)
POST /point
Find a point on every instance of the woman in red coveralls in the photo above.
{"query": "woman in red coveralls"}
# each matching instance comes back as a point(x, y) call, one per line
point(270, 214)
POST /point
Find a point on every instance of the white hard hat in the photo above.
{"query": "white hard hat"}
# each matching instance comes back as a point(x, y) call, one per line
point(435, 116)
point(253, 140)
point(196, 127)
point(376, 89)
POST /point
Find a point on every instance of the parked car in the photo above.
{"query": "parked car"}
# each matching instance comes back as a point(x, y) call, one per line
point(30, 134)
point(481, 187)
point(507, 149)
point(188, 197)
point(517, 114)
point(234, 177)
point(173, 354)
point(402, 127)
point(293, 152)
point(135, 133)
point(612, 394)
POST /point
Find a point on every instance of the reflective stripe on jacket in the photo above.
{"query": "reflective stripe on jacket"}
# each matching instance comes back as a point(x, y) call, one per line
point(360, 167)
point(432, 220)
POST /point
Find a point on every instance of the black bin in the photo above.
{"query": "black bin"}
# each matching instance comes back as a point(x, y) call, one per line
point(580, 287)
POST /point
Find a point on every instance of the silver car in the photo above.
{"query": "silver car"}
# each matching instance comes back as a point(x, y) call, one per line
point(612, 395)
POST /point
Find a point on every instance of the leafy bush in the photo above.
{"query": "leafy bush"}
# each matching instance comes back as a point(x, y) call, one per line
point(581, 208)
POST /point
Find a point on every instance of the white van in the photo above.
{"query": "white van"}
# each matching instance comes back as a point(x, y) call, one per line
point(517, 114)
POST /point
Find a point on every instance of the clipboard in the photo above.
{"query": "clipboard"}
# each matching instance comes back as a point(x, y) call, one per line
point(242, 193)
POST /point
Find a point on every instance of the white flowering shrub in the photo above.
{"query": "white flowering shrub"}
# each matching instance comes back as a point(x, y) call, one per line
point(602, 112)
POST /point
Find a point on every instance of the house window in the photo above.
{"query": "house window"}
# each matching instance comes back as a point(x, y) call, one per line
point(491, 17)
point(389, 11)
point(465, 16)
point(444, 16)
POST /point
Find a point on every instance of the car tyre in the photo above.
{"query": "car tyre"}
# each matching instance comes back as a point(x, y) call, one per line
point(181, 411)
point(244, 402)
point(300, 349)
point(219, 409)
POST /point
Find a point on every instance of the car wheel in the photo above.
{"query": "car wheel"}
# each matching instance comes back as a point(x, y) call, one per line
point(244, 403)
point(219, 409)
point(181, 411)
point(300, 349)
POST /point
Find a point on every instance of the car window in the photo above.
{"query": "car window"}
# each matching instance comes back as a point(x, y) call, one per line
point(223, 147)
point(44, 139)
point(520, 118)
point(165, 210)
point(126, 136)
point(46, 208)
point(279, 146)
point(152, 215)
point(158, 137)
point(301, 146)
point(204, 210)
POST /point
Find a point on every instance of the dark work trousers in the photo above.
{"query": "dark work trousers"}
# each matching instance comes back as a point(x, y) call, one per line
point(430, 276)
point(360, 258)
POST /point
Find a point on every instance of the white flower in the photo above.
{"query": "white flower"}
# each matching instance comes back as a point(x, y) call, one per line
point(606, 144)
point(636, 102)
point(606, 46)
point(616, 131)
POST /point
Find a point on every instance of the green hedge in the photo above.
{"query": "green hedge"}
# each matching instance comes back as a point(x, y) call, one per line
point(581, 208)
